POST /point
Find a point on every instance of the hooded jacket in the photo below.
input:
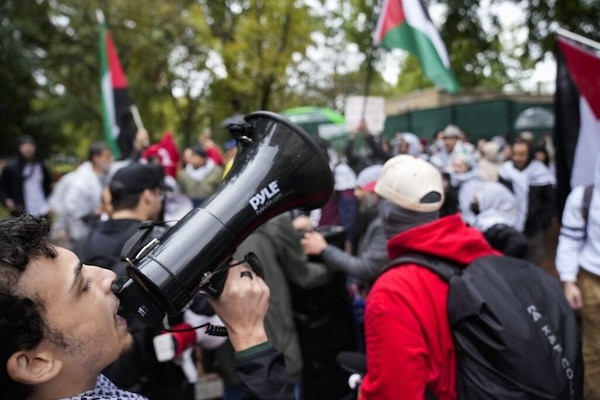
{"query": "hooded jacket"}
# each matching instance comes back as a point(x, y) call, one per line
point(408, 337)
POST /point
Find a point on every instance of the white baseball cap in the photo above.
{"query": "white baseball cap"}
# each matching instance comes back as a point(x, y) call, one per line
point(452, 131)
point(411, 183)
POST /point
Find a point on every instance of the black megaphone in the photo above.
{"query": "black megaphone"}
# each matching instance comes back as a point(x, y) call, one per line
point(278, 168)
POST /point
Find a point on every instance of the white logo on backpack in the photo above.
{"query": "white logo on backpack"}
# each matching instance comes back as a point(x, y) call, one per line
point(547, 331)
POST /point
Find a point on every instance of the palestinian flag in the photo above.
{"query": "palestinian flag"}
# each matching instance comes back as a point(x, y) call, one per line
point(119, 126)
point(405, 24)
point(577, 110)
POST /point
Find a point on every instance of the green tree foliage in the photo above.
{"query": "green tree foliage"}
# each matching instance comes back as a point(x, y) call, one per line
point(189, 64)
point(354, 23)
point(192, 63)
point(411, 77)
point(480, 58)
point(24, 37)
point(475, 55)
point(159, 46)
point(544, 16)
point(256, 42)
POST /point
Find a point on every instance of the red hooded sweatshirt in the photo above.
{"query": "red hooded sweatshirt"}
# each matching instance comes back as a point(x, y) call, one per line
point(408, 338)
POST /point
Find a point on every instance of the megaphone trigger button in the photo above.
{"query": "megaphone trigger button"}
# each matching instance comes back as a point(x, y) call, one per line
point(205, 278)
point(255, 264)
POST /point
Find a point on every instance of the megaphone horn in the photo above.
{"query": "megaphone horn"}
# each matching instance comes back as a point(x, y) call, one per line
point(278, 168)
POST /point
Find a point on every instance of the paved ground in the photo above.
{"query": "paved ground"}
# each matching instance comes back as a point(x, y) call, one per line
point(550, 240)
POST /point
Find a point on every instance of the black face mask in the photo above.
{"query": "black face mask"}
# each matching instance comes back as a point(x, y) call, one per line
point(396, 219)
point(475, 208)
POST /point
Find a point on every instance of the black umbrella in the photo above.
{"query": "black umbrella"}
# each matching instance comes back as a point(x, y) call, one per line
point(535, 118)
point(234, 119)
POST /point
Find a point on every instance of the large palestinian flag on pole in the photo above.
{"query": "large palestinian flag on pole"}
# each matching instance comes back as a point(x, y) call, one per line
point(117, 120)
point(577, 110)
point(405, 24)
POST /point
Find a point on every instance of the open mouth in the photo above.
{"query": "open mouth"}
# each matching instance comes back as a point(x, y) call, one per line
point(120, 320)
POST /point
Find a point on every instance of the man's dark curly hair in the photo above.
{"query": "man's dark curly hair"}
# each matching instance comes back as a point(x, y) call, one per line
point(22, 239)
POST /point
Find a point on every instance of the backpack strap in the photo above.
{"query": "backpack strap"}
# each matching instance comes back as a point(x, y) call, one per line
point(444, 269)
point(587, 200)
point(140, 236)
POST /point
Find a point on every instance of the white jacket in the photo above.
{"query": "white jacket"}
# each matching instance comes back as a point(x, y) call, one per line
point(578, 245)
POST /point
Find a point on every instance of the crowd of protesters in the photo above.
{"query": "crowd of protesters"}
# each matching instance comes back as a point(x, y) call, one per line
point(505, 190)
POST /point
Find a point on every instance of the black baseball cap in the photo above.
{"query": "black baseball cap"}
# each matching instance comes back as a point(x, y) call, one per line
point(26, 139)
point(136, 177)
point(199, 149)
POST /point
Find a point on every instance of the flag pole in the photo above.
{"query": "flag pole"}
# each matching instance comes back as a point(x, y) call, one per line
point(368, 80)
point(370, 57)
point(578, 38)
point(136, 117)
point(100, 16)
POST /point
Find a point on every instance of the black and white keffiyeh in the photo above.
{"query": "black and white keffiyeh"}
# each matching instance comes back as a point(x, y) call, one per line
point(536, 173)
point(497, 205)
point(106, 390)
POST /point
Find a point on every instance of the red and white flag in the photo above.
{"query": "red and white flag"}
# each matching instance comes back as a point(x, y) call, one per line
point(577, 110)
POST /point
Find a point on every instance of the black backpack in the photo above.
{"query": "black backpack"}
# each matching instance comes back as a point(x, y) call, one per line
point(515, 335)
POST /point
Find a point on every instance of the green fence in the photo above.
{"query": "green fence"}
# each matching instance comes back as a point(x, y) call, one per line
point(483, 119)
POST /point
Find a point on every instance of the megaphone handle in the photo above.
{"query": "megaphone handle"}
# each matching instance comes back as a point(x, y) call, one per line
point(254, 263)
point(213, 282)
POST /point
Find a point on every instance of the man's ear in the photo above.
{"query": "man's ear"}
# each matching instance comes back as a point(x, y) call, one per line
point(147, 195)
point(33, 367)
